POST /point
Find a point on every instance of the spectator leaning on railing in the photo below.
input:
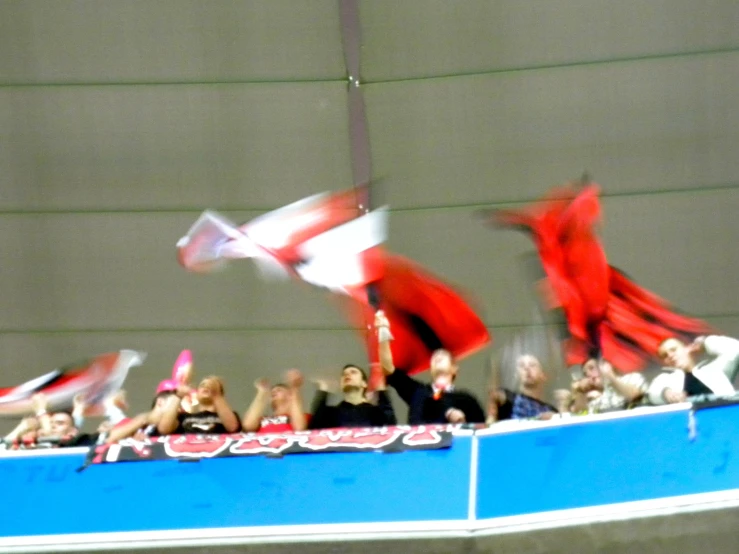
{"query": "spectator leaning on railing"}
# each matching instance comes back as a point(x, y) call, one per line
point(713, 375)
point(355, 410)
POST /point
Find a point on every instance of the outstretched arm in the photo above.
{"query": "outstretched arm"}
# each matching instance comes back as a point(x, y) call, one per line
point(253, 416)
point(383, 338)
point(296, 411)
point(320, 409)
point(169, 421)
point(229, 418)
point(40, 406)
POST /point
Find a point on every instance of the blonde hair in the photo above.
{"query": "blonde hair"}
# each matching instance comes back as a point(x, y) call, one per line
point(217, 379)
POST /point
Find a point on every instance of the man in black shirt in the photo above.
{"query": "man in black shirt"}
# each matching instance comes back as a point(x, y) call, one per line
point(438, 402)
point(354, 410)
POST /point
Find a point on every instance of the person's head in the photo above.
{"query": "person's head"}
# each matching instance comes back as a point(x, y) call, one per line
point(443, 366)
point(674, 353)
point(353, 378)
point(530, 373)
point(161, 399)
point(61, 423)
point(210, 388)
point(591, 372)
point(280, 398)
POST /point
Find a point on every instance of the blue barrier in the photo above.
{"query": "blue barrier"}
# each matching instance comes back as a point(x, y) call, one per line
point(519, 470)
point(302, 489)
point(599, 462)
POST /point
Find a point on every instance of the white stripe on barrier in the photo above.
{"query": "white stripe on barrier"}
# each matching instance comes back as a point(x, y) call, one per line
point(373, 531)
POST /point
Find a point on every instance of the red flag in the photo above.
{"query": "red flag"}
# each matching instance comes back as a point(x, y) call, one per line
point(425, 314)
point(605, 311)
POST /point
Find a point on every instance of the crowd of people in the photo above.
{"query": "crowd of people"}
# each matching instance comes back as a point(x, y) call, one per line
point(707, 366)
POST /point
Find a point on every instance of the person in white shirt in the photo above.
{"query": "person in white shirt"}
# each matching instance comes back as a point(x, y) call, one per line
point(713, 375)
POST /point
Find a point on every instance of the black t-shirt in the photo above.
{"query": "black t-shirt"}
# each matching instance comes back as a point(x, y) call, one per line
point(424, 408)
point(346, 414)
point(204, 423)
point(694, 386)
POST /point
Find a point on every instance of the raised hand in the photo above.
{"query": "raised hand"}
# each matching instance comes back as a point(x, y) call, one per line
point(453, 415)
point(294, 378)
point(381, 320)
point(323, 384)
point(39, 402)
point(262, 385)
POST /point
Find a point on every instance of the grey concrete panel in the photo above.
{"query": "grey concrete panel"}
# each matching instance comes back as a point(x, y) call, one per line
point(644, 125)
point(168, 40)
point(418, 38)
point(119, 271)
point(170, 146)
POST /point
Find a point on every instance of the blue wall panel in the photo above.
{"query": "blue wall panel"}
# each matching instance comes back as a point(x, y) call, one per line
point(609, 461)
point(234, 492)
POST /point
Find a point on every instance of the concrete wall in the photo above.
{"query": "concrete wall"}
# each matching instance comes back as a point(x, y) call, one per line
point(120, 121)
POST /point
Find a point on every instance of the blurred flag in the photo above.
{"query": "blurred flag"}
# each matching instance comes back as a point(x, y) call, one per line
point(332, 241)
point(607, 314)
point(95, 379)
point(425, 314)
point(327, 240)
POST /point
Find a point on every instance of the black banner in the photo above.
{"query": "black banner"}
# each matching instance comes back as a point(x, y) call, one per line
point(196, 447)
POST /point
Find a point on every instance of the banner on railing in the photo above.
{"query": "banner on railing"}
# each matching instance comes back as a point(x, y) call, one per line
point(193, 447)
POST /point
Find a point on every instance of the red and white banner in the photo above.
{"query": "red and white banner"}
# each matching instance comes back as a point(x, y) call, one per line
point(179, 447)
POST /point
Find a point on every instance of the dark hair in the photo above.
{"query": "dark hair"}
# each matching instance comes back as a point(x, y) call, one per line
point(363, 372)
point(64, 412)
point(161, 394)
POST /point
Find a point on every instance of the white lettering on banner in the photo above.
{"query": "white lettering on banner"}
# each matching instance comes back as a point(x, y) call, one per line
point(197, 446)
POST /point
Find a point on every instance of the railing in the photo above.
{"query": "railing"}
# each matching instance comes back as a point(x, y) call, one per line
point(514, 476)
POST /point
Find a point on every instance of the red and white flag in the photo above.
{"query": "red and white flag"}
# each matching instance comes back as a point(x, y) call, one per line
point(95, 378)
point(327, 240)
point(333, 242)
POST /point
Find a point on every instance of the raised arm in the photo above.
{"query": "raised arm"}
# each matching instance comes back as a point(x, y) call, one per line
point(253, 416)
point(320, 408)
point(26, 425)
point(169, 420)
point(724, 349)
point(628, 390)
point(383, 338)
point(296, 411)
point(40, 406)
point(229, 418)
point(78, 410)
